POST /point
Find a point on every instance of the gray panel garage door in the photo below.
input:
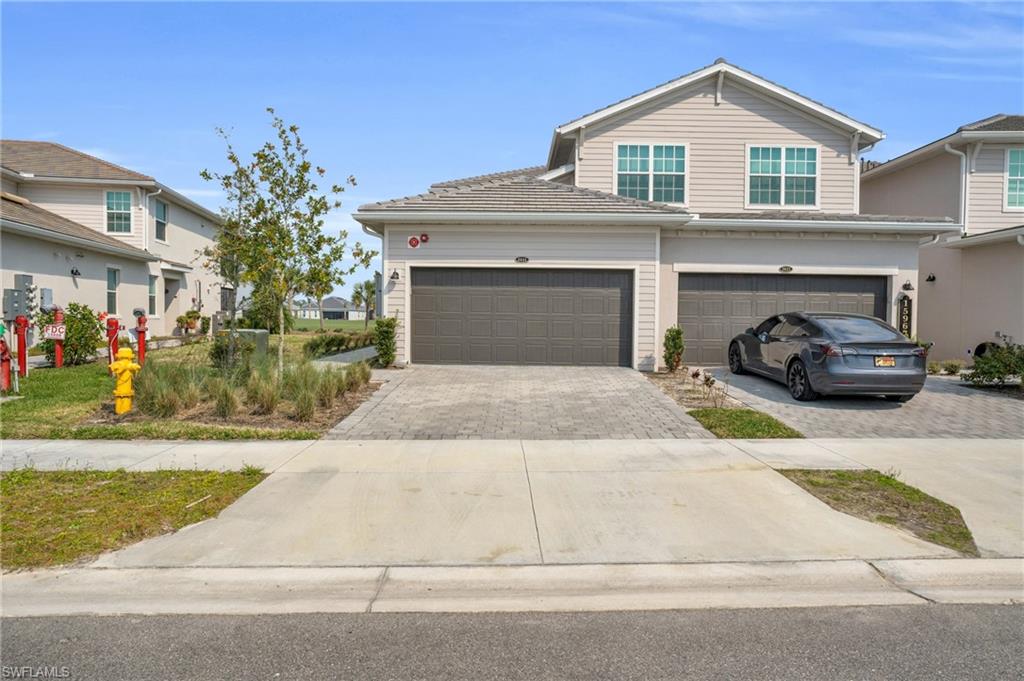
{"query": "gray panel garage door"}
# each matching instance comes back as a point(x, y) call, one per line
point(715, 307)
point(522, 316)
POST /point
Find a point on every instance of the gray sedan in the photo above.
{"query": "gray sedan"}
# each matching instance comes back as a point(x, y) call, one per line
point(831, 353)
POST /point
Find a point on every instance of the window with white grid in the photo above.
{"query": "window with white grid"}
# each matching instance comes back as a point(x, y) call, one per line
point(651, 172)
point(1015, 178)
point(782, 176)
point(119, 212)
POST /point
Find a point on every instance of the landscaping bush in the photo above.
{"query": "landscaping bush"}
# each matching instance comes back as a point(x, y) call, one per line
point(305, 403)
point(952, 367)
point(999, 364)
point(934, 368)
point(162, 389)
point(384, 330)
point(221, 355)
point(674, 347)
point(225, 401)
point(204, 325)
point(362, 373)
point(325, 391)
point(262, 393)
point(300, 378)
point(339, 341)
point(84, 334)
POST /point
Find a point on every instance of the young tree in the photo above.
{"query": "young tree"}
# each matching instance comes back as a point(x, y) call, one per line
point(284, 239)
point(363, 295)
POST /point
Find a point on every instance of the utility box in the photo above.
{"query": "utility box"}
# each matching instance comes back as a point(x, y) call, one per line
point(14, 302)
point(259, 338)
point(45, 298)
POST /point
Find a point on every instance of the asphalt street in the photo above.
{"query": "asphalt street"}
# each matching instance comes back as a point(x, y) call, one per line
point(894, 642)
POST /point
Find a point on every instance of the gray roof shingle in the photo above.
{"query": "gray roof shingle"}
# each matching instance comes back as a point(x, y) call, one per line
point(997, 123)
point(532, 171)
point(49, 159)
point(521, 194)
point(17, 209)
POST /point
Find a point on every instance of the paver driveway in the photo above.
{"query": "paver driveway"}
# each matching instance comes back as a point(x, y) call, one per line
point(945, 408)
point(515, 402)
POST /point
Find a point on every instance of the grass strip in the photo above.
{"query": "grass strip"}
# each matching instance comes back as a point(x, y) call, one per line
point(747, 424)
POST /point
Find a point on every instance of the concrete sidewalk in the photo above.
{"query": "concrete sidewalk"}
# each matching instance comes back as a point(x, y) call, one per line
point(511, 589)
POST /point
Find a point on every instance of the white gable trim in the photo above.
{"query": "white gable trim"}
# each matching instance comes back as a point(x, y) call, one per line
point(868, 133)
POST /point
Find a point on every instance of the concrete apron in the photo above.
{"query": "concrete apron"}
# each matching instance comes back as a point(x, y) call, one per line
point(92, 591)
point(413, 503)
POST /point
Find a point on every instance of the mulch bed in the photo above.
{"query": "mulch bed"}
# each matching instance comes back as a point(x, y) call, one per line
point(282, 418)
point(681, 388)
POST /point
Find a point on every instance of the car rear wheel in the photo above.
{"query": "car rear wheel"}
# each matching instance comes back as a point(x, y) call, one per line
point(898, 398)
point(799, 382)
point(736, 359)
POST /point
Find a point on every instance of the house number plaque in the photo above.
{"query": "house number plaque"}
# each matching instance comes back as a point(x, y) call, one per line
point(905, 310)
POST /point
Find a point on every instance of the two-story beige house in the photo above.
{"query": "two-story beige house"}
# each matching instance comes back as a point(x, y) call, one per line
point(712, 201)
point(972, 291)
point(93, 232)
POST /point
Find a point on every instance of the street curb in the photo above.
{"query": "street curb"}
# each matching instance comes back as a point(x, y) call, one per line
point(533, 588)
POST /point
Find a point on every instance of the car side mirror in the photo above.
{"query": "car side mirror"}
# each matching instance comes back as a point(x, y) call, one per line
point(749, 331)
point(763, 337)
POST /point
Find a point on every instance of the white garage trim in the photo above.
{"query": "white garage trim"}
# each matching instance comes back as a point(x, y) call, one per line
point(722, 268)
point(461, 264)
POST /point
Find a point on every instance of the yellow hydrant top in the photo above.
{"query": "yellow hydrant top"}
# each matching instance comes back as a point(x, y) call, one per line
point(123, 369)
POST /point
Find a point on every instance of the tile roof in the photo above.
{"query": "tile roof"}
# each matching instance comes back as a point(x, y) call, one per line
point(532, 171)
point(49, 159)
point(997, 123)
point(797, 215)
point(17, 209)
point(521, 194)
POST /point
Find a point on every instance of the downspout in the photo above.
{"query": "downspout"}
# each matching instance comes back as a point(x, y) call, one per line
point(963, 186)
point(854, 161)
point(145, 219)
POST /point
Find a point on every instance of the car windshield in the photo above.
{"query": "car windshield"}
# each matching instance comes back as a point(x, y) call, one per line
point(858, 329)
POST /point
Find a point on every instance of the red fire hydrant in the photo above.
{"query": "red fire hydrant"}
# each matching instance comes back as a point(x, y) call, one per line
point(21, 331)
point(58, 344)
point(113, 328)
point(5, 365)
point(140, 331)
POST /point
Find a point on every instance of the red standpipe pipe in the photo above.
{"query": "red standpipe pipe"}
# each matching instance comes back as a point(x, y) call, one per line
point(140, 330)
point(58, 345)
point(113, 328)
point(21, 331)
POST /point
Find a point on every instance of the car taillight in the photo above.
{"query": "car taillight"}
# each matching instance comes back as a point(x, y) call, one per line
point(831, 350)
point(919, 352)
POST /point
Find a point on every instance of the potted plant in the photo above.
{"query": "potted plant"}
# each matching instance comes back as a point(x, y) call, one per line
point(192, 319)
point(182, 322)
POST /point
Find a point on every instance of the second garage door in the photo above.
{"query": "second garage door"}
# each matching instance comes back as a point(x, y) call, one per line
point(522, 316)
point(715, 307)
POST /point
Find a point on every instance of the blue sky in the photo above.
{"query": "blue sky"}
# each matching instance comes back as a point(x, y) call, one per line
point(402, 95)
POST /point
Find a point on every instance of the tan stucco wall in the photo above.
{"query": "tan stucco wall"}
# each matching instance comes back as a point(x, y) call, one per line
point(930, 188)
point(805, 254)
point(545, 245)
point(987, 191)
point(939, 318)
point(717, 137)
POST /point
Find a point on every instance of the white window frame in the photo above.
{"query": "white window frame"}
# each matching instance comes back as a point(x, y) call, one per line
point(650, 168)
point(782, 189)
point(117, 285)
point(1007, 208)
point(167, 213)
point(107, 211)
point(154, 279)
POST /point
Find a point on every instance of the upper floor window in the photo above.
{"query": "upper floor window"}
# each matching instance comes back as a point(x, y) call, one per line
point(1015, 179)
point(651, 172)
point(782, 176)
point(160, 216)
point(119, 212)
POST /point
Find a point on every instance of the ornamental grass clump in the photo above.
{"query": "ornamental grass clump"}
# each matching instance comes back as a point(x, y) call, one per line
point(262, 393)
point(222, 393)
point(163, 389)
point(305, 404)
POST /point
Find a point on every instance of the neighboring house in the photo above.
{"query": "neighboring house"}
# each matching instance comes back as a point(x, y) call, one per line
point(305, 309)
point(339, 308)
point(96, 233)
point(972, 281)
point(711, 201)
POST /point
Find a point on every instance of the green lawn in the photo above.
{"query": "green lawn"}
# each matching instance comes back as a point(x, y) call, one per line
point(58, 517)
point(55, 401)
point(881, 498)
point(747, 424)
point(332, 324)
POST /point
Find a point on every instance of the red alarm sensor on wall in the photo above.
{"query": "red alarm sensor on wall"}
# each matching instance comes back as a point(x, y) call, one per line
point(424, 238)
point(414, 242)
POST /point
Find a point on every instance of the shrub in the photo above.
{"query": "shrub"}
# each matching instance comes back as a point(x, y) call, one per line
point(362, 373)
point(325, 391)
point(225, 401)
point(674, 347)
point(305, 404)
point(299, 378)
point(162, 389)
point(84, 334)
point(934, 368)
point(221, 356)
point(998, 365)
point(952, 367)
point(204, 325)
point(332, 343)
point(262, 393)
point(384, 330)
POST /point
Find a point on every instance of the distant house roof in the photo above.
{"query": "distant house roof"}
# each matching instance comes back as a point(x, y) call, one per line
point(22, 216)
point(334, 303)
point(999, 127)
point(49, 159)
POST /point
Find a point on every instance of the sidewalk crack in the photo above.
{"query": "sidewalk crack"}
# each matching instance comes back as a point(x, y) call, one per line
point(380, 587)
point(890, 582)
point(533, 506)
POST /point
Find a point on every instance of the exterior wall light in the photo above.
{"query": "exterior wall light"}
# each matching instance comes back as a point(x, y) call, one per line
point(930, 277)
point(75, 272)
point(394, 275)
point(907, 286)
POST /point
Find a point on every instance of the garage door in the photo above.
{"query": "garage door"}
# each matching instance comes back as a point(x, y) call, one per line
point(715, 307)
point(522, 316)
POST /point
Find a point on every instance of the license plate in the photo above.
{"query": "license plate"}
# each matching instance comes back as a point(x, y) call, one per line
point(885, 361)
